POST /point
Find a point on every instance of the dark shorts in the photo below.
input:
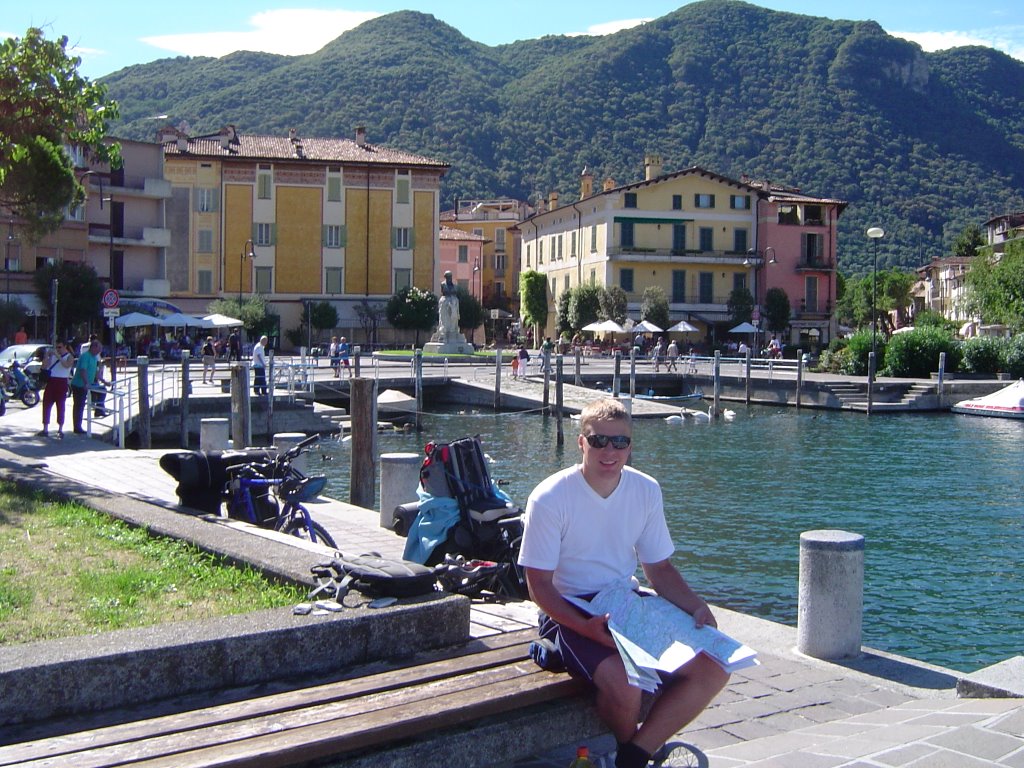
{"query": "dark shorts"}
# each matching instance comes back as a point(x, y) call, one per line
point(580, 654)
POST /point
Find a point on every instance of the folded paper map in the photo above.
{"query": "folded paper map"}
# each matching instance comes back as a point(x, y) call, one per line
point(653, 635)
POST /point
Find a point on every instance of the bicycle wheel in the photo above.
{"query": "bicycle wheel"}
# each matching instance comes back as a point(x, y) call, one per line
point(316, 533)
point(29, 397)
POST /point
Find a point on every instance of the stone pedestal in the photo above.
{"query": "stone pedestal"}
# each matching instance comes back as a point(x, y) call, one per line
point(448, 344)
point(399, 479)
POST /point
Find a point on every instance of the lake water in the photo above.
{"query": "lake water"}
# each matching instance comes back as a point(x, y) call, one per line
point(936, 496)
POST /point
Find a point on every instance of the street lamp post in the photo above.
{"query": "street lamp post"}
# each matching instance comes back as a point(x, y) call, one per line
point(875, 233)
point(247, 253)
point(7, 257)
point(476, 283)
point(767, 257)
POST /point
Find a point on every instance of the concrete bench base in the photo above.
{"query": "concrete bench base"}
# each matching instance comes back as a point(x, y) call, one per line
point(59, 678)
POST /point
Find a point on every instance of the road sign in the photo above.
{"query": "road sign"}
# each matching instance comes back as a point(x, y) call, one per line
point(111, 312)
point(755, 316)
point(110, 299)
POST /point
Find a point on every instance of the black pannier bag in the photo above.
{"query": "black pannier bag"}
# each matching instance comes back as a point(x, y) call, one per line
point(202, 475)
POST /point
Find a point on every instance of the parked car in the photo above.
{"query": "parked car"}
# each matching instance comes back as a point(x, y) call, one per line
point(29, 355)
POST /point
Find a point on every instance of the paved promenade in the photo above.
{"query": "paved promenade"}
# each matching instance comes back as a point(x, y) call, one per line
point(792, 711)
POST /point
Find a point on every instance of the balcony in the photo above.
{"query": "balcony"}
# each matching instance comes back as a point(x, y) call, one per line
point(669, 255)
point(150, 237)
point(816, 311)
point(815, 263)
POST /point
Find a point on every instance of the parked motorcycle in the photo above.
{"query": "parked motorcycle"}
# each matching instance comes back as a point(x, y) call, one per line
point(17, 385)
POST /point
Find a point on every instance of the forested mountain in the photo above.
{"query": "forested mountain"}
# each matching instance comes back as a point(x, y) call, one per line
point(919, 144)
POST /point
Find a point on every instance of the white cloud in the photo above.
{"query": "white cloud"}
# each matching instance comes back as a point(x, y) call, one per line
point(609, 27)
point(1009, 40)
point(287, 31)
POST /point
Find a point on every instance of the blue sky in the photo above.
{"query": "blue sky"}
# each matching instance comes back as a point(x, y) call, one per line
point(118, 34)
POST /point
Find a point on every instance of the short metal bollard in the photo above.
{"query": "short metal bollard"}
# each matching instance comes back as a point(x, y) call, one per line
point(399, 479)
point(831, 594)
point(213, 434)
point(285, 440)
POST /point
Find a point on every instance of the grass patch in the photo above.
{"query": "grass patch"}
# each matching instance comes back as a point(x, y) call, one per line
point(67, 570)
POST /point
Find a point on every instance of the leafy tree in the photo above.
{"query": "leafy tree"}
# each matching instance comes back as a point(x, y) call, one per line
point(654, 306)
point(253, 313)
point(412, 309)
point(44, 105)
point(614, 303)
point(584, 306)
point(471, 311)
point(983, 354)
point(967, 243)
point(12, 314)
point(78, 293)
point(533, 293)
point(370, 314)
point(777, 310)
point(562, 322)
point(996, 288)
point(321, 315)
point(895, 289)
point(741, 306)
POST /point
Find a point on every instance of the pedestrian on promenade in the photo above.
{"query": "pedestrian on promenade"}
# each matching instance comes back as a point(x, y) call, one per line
point(209, 354)
point(344, 351)
point(259, 366)
point(86, 377)
point(234, 346)
point(673, 356)
point(58, 364)
point(586, 528)
point(335, 352)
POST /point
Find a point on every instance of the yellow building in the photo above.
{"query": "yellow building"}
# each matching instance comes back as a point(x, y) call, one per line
point(689, 232)
point(298, 219)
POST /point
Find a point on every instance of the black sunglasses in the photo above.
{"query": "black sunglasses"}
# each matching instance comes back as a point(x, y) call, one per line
point(621, 442)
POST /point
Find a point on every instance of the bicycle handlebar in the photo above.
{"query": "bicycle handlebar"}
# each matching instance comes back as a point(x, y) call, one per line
point(298, 448)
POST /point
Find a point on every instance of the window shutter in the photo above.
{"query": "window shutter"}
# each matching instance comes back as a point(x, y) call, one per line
point(254, 236)
point(412, 238)
point(343, 236)
point(394, 237)
point(215, 200)
point(273, 234)
point(323, 235)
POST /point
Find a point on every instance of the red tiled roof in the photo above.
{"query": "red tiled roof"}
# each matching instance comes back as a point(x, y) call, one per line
point(302, 148)
point(451, 233)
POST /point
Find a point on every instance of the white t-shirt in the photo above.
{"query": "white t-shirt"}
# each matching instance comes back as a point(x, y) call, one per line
point(259, 357)
point(592, 543)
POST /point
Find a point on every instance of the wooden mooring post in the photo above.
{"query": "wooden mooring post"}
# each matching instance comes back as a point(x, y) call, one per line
point(145, 413)
point(799, 376)
point(579, 376)
point(241, 410)
point(616, 376)
point(716, 409)
point(560, 435)
point(632, 371)
point(363, 415)
point(186, 390)
point(497, 379)
point(746, 391)
point(418, 367)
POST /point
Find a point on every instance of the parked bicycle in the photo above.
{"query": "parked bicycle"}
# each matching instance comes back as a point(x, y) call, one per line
point(271, 495)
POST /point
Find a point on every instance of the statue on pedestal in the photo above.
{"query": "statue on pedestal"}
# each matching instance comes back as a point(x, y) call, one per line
point(448, 309)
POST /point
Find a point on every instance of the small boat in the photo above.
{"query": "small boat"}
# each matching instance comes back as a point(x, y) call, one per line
point(672, 399)
point(1007, 403)
point(393, 401)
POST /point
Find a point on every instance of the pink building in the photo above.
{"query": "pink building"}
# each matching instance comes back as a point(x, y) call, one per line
point(796, 237)
point(461, 253)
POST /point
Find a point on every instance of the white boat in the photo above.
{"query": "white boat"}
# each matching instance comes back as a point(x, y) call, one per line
point(672, 399)
point(1007, 403)
point(393, 401)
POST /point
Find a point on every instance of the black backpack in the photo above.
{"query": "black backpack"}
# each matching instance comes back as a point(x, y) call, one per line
point(378, 576)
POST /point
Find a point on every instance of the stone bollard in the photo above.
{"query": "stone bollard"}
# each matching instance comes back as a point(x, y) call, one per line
point(285, 440)
point(831, 594)
point(627, 403)
point(399, 478)
point(213, 434)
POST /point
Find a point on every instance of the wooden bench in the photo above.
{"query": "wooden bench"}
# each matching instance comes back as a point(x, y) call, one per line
point(391, 717)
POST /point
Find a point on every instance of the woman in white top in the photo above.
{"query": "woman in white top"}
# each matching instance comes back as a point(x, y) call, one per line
point(60, 365)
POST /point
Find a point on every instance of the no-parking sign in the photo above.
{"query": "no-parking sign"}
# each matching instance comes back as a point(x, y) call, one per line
point(110, 299)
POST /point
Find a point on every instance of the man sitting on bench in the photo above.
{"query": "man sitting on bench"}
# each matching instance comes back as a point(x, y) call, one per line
point(586, 526)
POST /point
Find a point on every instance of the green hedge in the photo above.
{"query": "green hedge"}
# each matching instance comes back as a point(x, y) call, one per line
point(915, 354)
point(984, 354)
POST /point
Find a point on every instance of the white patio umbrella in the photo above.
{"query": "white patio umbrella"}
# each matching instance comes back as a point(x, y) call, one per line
point(135, 320)
point(181, 320)
point(744, 328)
point(604, 326)
point(217, 320)
point(683, 327)
point(646, 326)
